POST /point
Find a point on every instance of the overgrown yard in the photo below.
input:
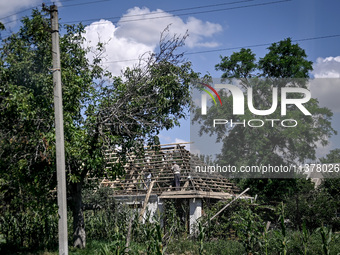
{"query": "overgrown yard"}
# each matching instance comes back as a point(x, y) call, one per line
point(242, 229)
point(218, 247)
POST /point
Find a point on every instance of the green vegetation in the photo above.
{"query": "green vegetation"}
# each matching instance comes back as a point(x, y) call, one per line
point(241, 229)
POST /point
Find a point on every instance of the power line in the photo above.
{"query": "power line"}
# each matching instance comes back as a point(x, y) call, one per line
point(25, 10)
point(165, 11)
point(166, 16)
point(92, 2)
point(216, 10)
point(263, 44)
point(60, 6)
point(134, 15)
point(182, 14)
point(237, 48)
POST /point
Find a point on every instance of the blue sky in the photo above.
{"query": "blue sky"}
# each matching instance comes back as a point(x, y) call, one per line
point(227, 24)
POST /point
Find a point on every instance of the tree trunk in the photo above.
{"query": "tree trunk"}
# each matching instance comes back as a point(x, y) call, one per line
point(79, 235)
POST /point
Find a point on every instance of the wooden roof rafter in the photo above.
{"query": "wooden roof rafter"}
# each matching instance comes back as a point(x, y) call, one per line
point(158, 163)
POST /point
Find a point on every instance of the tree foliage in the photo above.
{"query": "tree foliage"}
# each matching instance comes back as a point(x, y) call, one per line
point(238, 65)
point(332, 157)
point(332, 185)
point(284, 65)
point(314, 208)
point(285, 60)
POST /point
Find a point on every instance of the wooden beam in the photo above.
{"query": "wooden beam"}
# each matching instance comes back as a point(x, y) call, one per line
point(159, 164)
point(229, 204)
point(195, 194)
point(146, 201)
point(186, 184)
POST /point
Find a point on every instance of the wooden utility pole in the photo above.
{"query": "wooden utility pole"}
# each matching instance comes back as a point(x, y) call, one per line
point(59, 133)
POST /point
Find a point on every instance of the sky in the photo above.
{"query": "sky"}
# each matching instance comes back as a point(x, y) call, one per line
point(218, 27)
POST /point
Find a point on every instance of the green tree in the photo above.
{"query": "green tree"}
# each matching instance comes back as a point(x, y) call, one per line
point(331, 185)
point(314, 208)
point(285, 60)
point(332, 157)
point(285, 63)
point(238, 65)
point(100, 112)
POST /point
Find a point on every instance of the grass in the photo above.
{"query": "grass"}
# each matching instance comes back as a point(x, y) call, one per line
point(191, 247)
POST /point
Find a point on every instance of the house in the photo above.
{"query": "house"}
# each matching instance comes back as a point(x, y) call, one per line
point(148, 182)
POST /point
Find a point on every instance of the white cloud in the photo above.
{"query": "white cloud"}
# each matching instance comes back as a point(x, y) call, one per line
point(324, 87)
point(147, 28)
point(187, 146)
point(129, 40)
point(170, 140)
point(116, 48)
point(327, 91)
point(327, 67)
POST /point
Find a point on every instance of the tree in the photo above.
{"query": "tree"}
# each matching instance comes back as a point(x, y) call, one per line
point(285, 60)
point(285, 63)
point(100, 111)
point(27, 158)
point(332, 185)
point(314, 208)
point(332, 157)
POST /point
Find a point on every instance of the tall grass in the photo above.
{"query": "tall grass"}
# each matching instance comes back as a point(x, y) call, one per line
point(107, 228)
point(28, 230)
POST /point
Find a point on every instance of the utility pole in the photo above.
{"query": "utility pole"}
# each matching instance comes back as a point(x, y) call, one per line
point(59, 133)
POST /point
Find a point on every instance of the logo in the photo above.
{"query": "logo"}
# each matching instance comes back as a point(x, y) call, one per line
point(238, 100)
point(204, 98)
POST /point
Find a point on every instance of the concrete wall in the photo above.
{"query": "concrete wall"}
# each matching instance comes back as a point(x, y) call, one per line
point(153, 209)
point(195, 205)
point(156, 206)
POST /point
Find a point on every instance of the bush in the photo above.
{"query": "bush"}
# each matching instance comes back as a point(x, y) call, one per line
point(315, 208)
point(28, 230)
